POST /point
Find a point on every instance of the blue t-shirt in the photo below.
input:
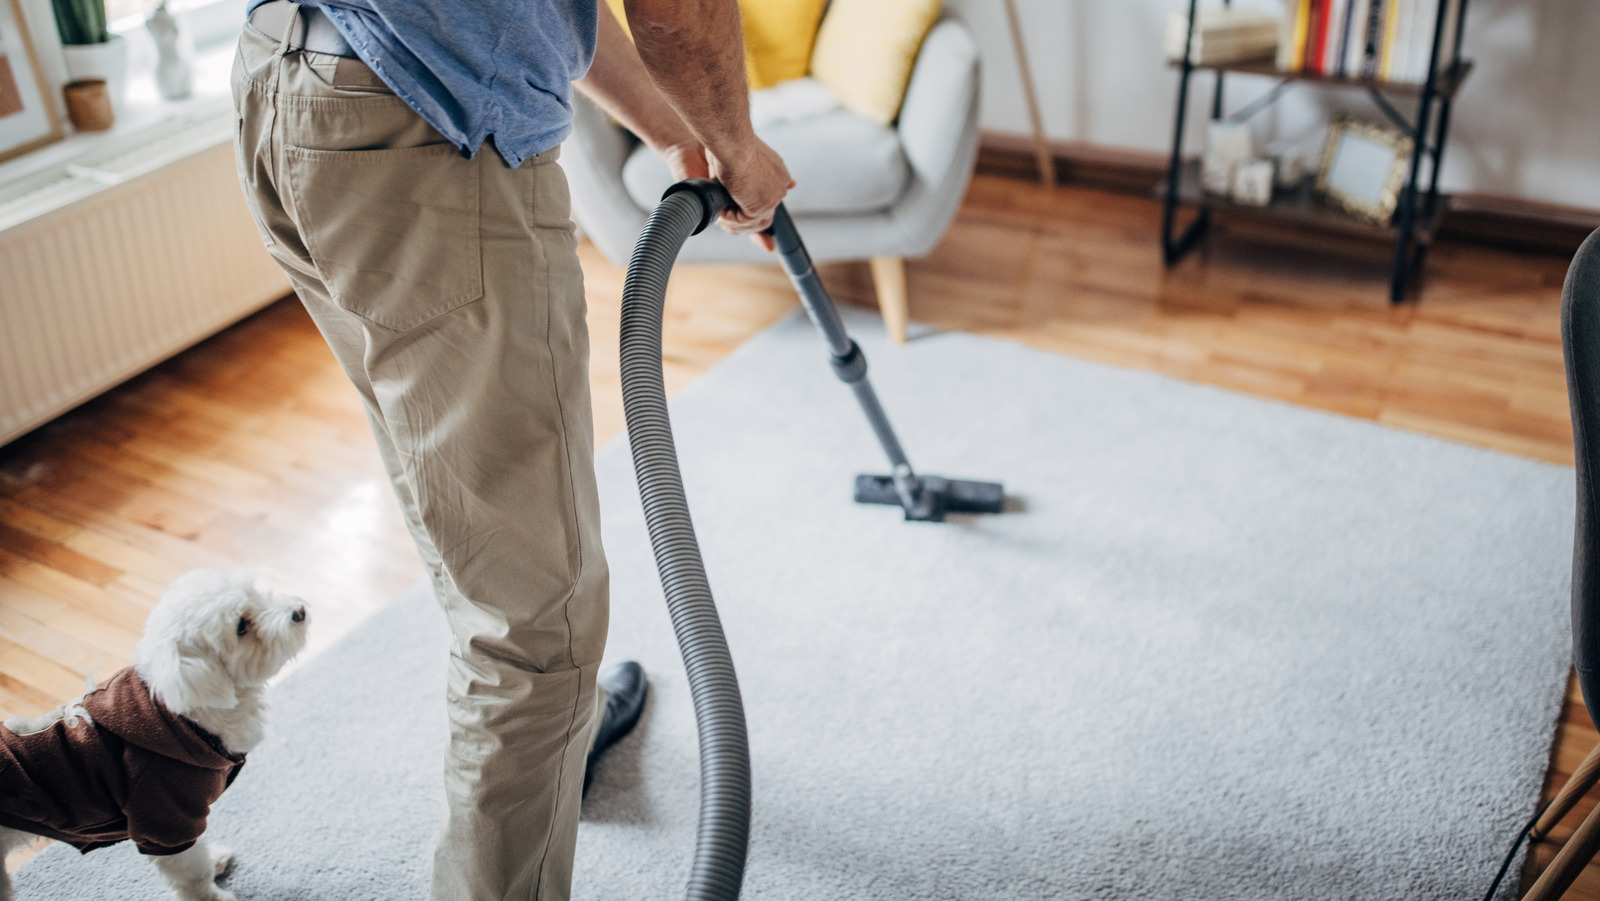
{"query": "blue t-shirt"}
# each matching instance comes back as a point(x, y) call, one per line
point(474, 68)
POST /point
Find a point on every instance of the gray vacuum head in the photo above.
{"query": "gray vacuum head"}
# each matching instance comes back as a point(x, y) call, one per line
point(933, 496)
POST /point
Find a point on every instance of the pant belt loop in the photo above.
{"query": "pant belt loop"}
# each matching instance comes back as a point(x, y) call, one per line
point(288, 30)
point(274, 135)
point(284, 46)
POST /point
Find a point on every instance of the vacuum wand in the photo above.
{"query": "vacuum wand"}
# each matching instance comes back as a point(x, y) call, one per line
point(923, 498)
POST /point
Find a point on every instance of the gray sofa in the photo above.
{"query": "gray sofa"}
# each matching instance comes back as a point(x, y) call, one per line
point(864, 191)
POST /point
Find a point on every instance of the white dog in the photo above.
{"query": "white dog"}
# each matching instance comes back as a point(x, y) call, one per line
point(162, 739)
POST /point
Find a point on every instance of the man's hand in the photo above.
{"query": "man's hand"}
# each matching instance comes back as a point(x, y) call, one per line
point(686, 160)
point(682, 91)
point(757, 183)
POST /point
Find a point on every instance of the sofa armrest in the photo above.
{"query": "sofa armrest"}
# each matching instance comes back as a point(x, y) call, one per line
point(600, 202)
point(604, 142)
point(939, 100)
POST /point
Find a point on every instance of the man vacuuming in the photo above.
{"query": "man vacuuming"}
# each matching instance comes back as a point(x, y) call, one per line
point(400, 160)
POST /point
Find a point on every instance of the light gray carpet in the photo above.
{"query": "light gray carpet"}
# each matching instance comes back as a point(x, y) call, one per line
point(1230, 649)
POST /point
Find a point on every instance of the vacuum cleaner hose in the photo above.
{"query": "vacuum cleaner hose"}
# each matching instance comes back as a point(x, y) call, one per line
point(724, 831)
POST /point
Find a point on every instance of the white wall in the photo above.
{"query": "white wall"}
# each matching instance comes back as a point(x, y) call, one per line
point(1526, 125)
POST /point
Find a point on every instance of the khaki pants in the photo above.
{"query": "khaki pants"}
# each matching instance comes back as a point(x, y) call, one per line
point(449, 290)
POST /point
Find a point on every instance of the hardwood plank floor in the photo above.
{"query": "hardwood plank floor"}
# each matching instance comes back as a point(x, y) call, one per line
point(250, 451)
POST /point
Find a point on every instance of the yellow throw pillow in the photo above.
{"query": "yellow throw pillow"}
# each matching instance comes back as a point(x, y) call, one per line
point(866, 50)
point(778, 35)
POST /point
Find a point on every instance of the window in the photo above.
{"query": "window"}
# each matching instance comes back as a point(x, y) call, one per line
point(127, 9)
point(206, 22)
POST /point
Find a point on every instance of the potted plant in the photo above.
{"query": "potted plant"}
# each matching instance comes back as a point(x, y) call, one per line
point(91, 50)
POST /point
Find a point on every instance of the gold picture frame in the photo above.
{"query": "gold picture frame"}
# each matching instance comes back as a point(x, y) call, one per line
point(29, 120)
point(1363, 169)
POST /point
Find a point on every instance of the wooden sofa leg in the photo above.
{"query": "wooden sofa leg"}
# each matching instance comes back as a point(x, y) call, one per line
point(889, 280)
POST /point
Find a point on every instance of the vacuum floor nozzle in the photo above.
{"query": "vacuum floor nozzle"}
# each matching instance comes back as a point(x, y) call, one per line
point(934, 497)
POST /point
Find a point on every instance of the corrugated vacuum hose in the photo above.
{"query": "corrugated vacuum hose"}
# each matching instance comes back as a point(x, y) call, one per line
point(687, 208)
point(724, 832)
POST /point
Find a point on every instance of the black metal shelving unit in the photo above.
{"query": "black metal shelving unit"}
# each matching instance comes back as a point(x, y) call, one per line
point(1419, 211)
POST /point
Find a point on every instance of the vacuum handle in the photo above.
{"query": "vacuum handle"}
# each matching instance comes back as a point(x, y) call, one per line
point(785, 237)
point(714, 198)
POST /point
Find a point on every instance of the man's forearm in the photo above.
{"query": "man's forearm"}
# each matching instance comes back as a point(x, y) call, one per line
point(617, 80)
point(680, 86)
point(694, 51)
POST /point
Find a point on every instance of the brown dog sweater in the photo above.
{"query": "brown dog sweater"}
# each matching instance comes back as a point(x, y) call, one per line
point(138, 771)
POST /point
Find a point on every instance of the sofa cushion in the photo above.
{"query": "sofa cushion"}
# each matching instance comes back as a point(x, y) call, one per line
point(842, 162)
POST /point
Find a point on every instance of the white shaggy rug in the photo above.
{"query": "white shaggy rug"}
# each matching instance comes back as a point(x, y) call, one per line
point(1228, 649)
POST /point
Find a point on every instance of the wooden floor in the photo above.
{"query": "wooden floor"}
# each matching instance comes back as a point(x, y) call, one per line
point(251, 452)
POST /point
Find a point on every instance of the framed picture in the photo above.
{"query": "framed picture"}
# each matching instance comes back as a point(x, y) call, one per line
point(27, 119)
point(1363, 169)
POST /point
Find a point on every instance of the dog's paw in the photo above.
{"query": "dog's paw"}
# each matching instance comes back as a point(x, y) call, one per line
point(209, 893)
point(221, 860)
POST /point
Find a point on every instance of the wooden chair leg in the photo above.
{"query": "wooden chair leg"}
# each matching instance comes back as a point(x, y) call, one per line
point(1573, 857)
point(1582, 780)
point(889, 280)
point(1041, 148)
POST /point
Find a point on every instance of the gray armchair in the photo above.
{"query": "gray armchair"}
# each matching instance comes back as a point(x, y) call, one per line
point(863, 191)
point(1580, 342)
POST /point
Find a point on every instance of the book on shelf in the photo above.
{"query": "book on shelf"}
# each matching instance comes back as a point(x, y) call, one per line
point(1381, 40)
point(1222, 35)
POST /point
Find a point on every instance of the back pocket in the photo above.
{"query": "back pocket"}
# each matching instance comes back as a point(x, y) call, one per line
point(394, 233)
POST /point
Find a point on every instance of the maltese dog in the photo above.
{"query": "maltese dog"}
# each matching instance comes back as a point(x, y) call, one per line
point(144, 756)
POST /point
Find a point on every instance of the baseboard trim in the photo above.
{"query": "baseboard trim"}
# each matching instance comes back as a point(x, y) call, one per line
point(1476, 218)
point(1515, 222)
point(1077, 162)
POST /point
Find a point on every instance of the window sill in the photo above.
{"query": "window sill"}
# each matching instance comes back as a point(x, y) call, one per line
point(149, 133)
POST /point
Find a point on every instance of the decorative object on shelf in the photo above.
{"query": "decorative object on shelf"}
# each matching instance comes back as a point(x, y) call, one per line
point(90, 49)
point(1225, 35)
point(89, 104)
point(27, 119)
point(1288, 170)
point(1216, 177)
point(1430, 33)
point(1379, 40)
point(1228, 146)
point(1363, 168)
point(1252, 183)
point(174, 76)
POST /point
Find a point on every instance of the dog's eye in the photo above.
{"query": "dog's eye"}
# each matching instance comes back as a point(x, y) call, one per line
point(244, 626)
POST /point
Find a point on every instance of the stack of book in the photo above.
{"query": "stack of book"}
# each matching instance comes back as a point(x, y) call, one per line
point(1382, 40)
point(1222, 36)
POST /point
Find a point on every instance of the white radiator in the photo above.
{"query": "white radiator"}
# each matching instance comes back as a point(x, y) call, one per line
point(112, 263)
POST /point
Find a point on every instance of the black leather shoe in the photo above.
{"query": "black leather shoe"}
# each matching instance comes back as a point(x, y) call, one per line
point(626, 688)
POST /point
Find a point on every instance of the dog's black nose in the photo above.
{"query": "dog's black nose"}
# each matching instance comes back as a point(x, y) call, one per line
point(299, 615)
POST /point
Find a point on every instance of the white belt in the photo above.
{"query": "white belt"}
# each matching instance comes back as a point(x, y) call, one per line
point(315, 31)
